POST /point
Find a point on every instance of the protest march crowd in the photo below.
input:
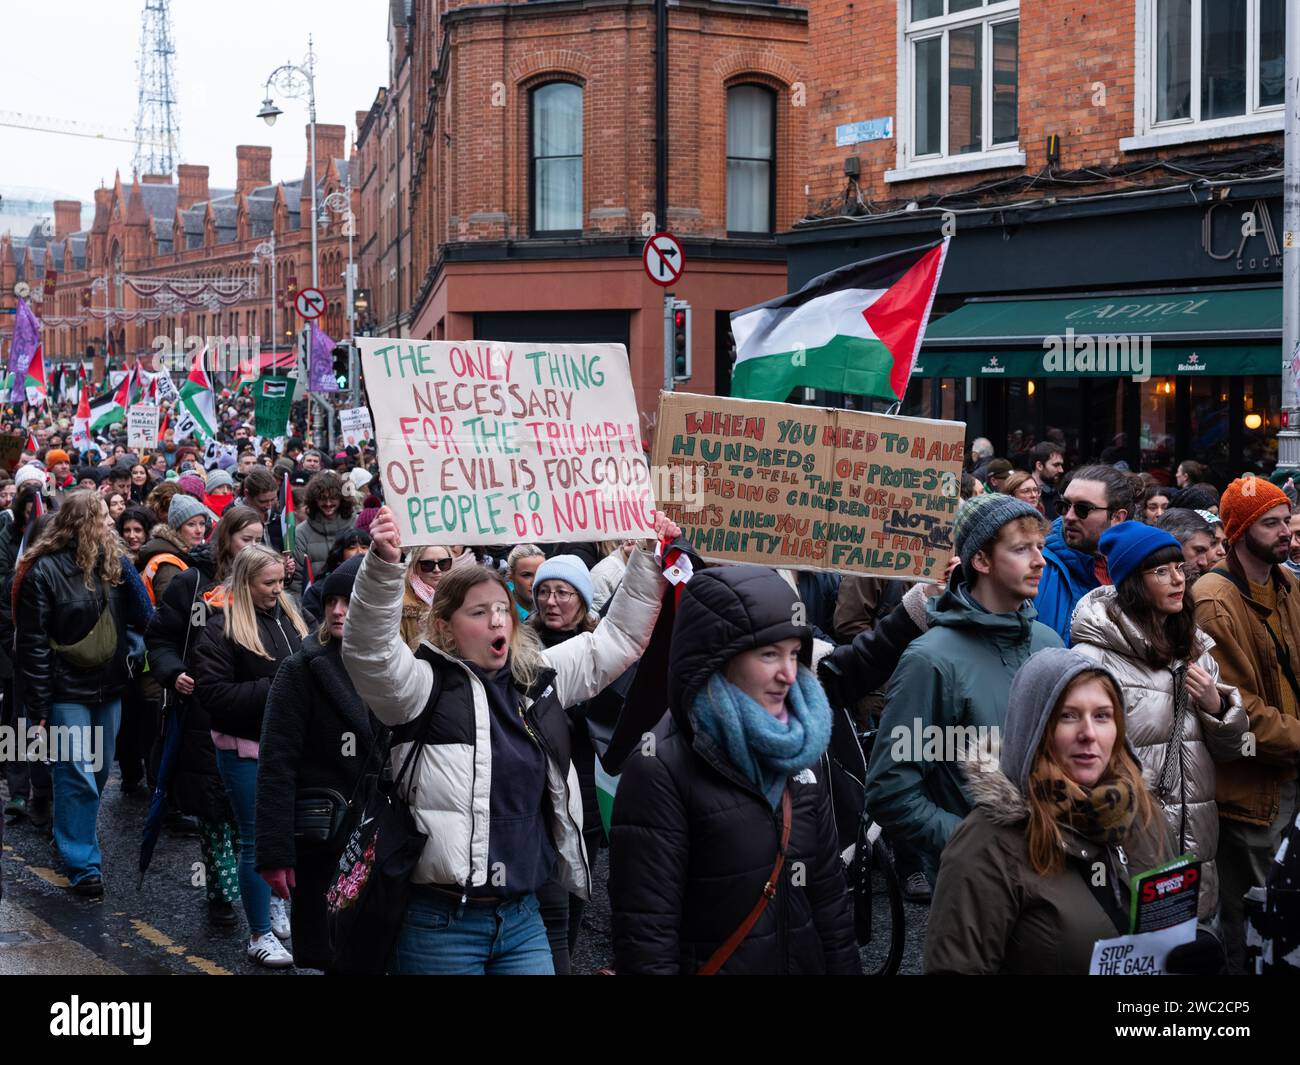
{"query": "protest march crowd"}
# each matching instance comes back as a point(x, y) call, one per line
point(243, 632)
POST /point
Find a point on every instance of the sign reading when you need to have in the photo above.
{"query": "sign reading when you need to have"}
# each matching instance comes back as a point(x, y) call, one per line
point(813, 488)
point(501, 443)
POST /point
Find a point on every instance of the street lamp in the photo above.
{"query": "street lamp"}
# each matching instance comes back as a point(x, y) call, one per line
point(264, 251)
point(299, 82)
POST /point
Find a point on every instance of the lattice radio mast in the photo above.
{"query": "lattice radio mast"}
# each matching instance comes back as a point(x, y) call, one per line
point(156, 130)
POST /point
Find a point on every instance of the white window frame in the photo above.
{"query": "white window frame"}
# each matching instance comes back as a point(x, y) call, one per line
point(1148, 133)
point(911, 166)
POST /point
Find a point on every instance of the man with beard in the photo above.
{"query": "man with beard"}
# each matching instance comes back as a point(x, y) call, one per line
point(1250, 607)
point(1096, 498)
point(1047, 464)
point(1196, 539)
point(1293, 561)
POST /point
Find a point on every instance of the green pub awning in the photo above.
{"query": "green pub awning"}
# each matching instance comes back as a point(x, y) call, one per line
point(1210, 333)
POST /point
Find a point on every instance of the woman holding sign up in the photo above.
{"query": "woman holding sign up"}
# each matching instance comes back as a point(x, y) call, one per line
point(1039, 871)
point(493, 787)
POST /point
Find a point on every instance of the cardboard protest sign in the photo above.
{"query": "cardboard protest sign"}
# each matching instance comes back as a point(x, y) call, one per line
point(272, 398)
point(142, 425)
point(11, 449)
point(810, 488)
point(495, 443)
point(355, 426)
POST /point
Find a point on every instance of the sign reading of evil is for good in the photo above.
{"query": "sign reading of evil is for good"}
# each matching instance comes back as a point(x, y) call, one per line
point(501, 443)
point(813, 488)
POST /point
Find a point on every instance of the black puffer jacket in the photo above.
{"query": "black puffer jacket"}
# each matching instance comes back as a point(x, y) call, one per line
point(693, 842)
point(56, 605)
point(311, 711)
point(172, 640)
point(232, 682)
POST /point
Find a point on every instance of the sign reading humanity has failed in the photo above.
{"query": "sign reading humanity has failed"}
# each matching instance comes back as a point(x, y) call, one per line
point(812, 488)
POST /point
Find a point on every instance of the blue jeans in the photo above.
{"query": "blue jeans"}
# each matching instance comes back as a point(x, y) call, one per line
point(80, 760)
point(240, 777)
point(437, 939)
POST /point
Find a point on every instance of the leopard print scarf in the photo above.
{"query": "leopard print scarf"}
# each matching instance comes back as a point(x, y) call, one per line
point(1103, 814)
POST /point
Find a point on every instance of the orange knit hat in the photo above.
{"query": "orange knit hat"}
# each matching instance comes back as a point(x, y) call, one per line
point(1245, 501)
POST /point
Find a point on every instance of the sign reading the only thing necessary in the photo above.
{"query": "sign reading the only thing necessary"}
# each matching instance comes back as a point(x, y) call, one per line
point(497, 443)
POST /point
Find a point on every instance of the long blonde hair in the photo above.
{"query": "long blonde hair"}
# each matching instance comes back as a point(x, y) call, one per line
point(241, 615)
point(79, 524)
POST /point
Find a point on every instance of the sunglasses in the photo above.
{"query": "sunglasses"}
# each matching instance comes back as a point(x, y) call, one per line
point(1081, 510)
point(428, 565)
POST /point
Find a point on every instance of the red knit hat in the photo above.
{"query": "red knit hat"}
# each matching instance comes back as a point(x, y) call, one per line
point(1245, 501)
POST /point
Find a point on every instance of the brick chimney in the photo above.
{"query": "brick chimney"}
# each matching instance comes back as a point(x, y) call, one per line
point(193, 185)
point(329, 145)
point(156, 179)
point(254, 168)
point(67, 218)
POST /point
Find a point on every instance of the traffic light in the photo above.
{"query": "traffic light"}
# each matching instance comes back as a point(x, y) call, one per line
point(341, 364)
point(681, 333)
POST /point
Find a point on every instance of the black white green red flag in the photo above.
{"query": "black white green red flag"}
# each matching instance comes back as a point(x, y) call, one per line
point(857, 329)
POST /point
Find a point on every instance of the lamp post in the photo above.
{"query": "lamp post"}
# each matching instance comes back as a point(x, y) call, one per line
point(299, 82)
point(341, 203)
point(264, 251)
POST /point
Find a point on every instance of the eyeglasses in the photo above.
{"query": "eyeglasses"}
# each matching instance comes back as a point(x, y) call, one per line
point(1166, 574)
point(555, 595)
point(428, 565)
point(1081, 509)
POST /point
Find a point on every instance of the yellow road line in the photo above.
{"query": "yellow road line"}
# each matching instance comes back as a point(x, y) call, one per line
point(49, 875)
point(161, 939)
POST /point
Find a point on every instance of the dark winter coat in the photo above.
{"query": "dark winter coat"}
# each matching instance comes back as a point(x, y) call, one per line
point(310, 712)
point(992, 913)
point(231, 681)
point(172, 641)
point(56, 605)
point(693, 841)
point(163, 540)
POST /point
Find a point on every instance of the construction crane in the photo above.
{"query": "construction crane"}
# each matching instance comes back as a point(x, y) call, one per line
point(66, 127)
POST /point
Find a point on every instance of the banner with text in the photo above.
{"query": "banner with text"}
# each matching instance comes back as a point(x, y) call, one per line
point(812, 488)
point(354, 427)
point(142, 425)
point(498, 443)
point(272, 399)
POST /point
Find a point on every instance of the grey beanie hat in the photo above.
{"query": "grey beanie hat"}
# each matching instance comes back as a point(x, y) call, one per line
point(1035, 691)
point(219, 479)
point(979, 519)
point(183, 508)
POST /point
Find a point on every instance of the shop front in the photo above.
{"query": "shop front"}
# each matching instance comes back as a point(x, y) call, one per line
point(1143, 329)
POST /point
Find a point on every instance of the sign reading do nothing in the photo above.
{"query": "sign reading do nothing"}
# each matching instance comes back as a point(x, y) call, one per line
point(495, 443)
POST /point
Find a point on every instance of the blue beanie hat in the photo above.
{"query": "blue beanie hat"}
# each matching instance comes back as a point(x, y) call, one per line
point(1129, 544)
point(570, 569)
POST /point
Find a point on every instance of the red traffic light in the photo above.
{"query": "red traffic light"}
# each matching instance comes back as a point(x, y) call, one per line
point(679, 319)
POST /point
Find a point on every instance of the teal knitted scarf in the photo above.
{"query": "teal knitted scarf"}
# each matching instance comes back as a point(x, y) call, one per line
point(763, 749)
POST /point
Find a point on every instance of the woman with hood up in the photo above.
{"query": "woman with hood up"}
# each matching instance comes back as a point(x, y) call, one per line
point(699, 823)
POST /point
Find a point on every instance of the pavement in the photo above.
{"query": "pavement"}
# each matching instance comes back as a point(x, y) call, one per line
point(159, 925)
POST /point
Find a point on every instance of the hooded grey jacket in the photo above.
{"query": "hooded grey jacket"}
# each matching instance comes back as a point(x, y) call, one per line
point(452, 779)
point(1189, 808)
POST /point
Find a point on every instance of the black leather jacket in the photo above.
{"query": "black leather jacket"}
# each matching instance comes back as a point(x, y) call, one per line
point(55, 604)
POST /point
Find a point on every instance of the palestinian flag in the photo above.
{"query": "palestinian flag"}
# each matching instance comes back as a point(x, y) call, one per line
point(857, 329)
point(32, 445)
point(110, 407)
point(198, 402)
point(288, 519)
point(37, 390)
point(81, 422)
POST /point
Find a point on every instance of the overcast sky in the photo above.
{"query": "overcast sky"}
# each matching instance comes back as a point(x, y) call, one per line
point(77, 60)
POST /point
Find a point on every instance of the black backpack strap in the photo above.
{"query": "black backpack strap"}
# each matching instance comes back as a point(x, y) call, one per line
point(1283, 655)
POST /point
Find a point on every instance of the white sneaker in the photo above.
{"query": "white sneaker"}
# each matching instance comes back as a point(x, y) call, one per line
point(269, 951)
point(279, 918)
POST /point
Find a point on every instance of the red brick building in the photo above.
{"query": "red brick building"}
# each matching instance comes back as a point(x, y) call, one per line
point(157, 227)
point(532, 156)
point(1112, 168)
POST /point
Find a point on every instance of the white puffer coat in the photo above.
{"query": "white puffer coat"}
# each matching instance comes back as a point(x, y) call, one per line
point(1189, 809)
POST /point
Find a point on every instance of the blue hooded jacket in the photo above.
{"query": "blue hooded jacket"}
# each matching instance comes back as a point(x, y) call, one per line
point(1068, 576)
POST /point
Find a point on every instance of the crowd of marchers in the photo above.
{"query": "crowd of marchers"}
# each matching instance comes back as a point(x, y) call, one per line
point(251, 642)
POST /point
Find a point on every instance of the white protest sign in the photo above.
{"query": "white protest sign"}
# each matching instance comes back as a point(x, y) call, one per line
point(1141, 954)
point(167, 388)
point(355, 425)
point(496, 443)
point(142, 425)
